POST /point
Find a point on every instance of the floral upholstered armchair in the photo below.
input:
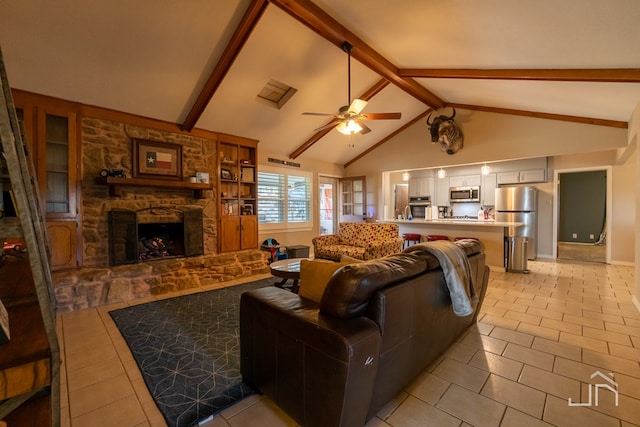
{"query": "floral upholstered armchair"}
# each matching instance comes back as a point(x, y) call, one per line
point(361, 240)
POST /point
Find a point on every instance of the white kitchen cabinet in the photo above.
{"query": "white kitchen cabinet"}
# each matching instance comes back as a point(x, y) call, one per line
point(420, 187)
point(465, 180)
point(520, 177)
point(488, 189)
point(442, 192)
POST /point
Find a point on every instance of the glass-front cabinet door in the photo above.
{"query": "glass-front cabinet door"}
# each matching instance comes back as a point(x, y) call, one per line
point(50, 133)
point(56, 163)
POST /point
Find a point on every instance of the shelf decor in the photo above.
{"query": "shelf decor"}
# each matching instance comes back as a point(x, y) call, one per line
point(154, 159)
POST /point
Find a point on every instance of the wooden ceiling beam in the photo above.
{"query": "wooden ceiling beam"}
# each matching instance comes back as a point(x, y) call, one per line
point(540, 115)
point(366, 96)
point(240, 36)
point(608, 75)
point(322, 23)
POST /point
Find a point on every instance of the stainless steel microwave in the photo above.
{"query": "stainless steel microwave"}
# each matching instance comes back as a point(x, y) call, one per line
point(464, 194)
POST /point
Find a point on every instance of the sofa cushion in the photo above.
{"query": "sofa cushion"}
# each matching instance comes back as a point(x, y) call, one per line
point(349, 290)
point(334, 252)
point(314, 276)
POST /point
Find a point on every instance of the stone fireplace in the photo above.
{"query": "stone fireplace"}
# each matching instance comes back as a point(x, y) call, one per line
point(113, 272)
point(154, 233)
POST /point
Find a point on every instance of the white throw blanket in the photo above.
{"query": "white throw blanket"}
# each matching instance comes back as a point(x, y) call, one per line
point(457, 274)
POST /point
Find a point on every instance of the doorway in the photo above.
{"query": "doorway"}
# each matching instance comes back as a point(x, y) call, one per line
point(401, 199)
point(328, 193)
point(583, 200)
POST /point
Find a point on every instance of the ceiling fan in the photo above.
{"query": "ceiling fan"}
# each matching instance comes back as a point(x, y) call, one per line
point(349, 119)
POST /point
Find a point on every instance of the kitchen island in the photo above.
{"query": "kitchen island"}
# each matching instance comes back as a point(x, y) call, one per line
point(490, 233)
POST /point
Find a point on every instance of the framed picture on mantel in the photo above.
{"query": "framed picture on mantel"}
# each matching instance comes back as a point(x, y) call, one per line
point(156, 160)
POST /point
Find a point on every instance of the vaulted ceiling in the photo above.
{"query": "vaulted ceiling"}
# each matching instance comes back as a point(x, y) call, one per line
point(202, 63)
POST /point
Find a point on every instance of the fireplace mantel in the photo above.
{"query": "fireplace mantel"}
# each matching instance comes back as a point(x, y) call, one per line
point(116, 183)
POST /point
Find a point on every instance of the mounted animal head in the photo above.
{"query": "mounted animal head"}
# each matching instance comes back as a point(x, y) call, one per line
point(446, 132)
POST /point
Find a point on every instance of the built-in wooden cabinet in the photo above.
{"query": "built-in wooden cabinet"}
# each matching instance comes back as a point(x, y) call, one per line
point(237, 178)
point(51, 132)
point(29, 351)
point(353, 199)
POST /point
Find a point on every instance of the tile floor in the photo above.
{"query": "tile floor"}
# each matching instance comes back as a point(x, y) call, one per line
point(539, 339)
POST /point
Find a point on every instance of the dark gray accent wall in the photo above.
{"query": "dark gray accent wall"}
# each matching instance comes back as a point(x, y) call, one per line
point(583, 200)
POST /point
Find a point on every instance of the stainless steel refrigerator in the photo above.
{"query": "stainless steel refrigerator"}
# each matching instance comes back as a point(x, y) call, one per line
point(518, 204)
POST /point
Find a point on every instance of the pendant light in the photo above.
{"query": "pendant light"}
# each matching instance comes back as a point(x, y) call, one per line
point(441, 173)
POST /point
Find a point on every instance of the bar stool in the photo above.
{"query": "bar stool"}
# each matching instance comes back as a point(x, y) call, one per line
point(432, 237)
point(411, 238)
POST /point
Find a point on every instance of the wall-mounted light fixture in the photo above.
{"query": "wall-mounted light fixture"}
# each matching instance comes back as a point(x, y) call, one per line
point(441, 173)
point(406, 176)
point(485, 169)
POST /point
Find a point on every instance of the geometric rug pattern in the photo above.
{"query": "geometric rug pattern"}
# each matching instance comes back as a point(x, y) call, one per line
point(188, 351)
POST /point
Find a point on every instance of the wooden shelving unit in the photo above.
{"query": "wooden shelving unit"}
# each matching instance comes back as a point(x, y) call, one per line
point(116, 183)
point(238, 193)
point(30, 360)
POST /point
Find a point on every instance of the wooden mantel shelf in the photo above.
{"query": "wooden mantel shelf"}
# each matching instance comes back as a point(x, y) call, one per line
point(116, 183)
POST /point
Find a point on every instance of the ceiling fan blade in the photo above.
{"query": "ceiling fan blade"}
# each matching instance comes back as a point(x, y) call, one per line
point(365, 128)
point(318, 114)
point(357, 105)
point(381, 116)
point(327, 126)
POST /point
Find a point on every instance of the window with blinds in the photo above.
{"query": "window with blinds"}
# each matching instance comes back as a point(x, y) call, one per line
point(284, 199)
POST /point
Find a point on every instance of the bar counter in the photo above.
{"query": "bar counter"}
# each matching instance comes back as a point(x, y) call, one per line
point(490, 233)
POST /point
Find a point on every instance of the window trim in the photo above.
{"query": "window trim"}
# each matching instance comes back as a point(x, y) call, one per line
point(286, 225)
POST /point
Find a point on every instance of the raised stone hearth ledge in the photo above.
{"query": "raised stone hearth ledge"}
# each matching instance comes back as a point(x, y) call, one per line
point(92, 287)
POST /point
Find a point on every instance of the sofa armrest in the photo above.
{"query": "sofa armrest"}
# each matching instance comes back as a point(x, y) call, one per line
point(317, 368)
point(383, 248)
point(326, 240)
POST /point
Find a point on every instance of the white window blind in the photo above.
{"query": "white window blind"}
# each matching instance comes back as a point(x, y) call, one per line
point(270, 198)
point(284, 200)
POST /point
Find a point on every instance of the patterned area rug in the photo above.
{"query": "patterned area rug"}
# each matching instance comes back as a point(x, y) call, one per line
point(188, 350)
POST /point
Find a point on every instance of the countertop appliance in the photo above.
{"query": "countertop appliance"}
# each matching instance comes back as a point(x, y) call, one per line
point(443, 212)
point(420, 206)
point(518, 204)
point(464, 194)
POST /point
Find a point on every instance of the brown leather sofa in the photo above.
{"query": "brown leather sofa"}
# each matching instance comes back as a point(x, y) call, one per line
point(379, 324)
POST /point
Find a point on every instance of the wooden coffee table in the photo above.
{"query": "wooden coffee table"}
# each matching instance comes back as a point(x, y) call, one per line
point(287, 269)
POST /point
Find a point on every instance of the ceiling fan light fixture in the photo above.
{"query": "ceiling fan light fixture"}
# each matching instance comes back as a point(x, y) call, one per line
point(348, 127)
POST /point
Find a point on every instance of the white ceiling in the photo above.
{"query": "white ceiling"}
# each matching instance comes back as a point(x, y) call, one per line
point(152, 58)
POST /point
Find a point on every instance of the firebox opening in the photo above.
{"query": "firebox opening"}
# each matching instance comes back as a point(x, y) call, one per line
point(154, 233)
point(160, 240)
